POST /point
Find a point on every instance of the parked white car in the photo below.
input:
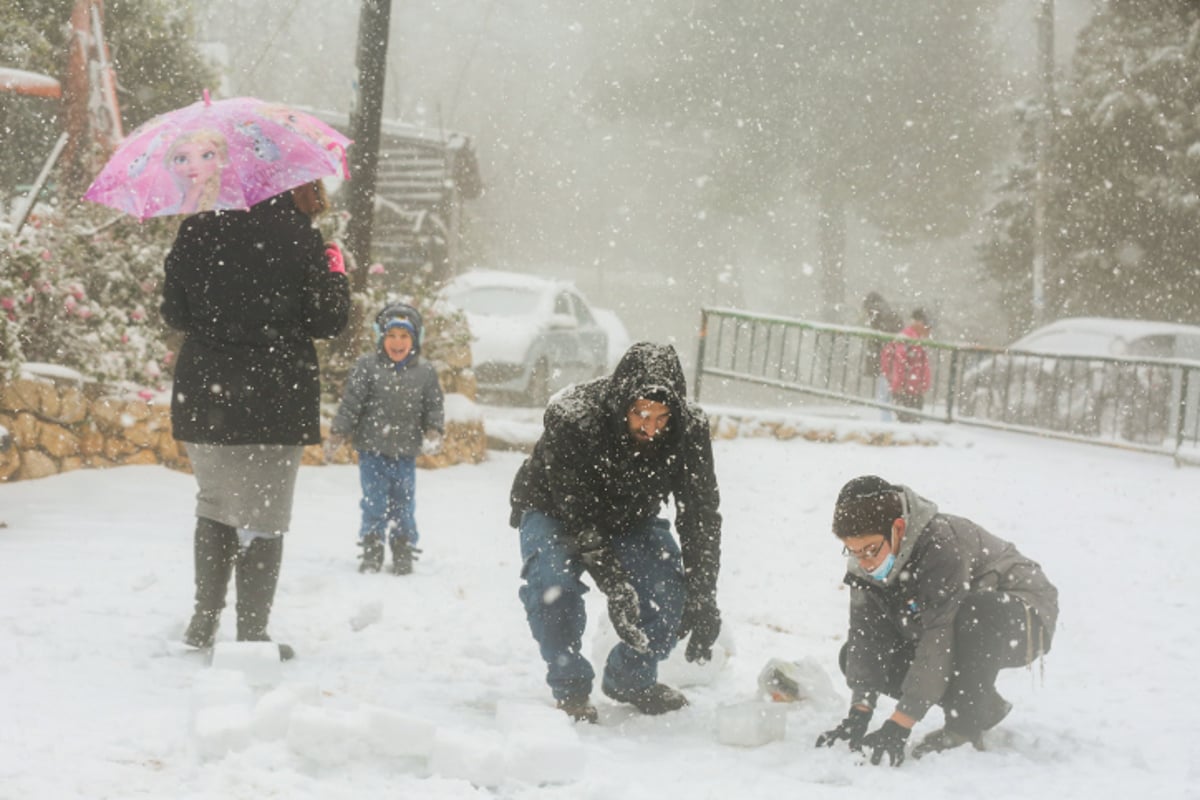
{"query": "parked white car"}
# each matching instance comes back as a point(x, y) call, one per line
point(531, 336)
point(1086, 375)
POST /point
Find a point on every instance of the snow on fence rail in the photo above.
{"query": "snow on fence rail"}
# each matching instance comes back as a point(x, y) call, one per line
point(1151, 405)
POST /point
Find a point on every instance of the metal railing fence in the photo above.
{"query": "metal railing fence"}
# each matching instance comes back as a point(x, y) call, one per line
point(1144, 404)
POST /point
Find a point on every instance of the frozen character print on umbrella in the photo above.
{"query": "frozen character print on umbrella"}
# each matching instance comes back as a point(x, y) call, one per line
point(221, 155)
point(197, 160)
point(306, 127)
point(263, 147)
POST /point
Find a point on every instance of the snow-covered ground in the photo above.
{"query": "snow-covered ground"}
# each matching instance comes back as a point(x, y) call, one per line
point(430, 686)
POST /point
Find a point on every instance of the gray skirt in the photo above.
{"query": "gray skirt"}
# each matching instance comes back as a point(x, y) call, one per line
point(248, 486)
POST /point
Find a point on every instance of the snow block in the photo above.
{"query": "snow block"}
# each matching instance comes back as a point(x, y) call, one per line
point(800, 681)
point(751, 724)
point(222, 729)
point(220, 687)
point(543, 745)
point(258, 661)
point(325, 736)
point(515, 719)
point(367, 614)
point(399, 735)
point(541, 757)
point(273, 711)
point(479, 757)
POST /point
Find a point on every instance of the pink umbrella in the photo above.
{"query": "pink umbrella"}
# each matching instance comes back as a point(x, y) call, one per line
point(228, 154)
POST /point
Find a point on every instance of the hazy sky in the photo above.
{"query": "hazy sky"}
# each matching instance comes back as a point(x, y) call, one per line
point(565, 197)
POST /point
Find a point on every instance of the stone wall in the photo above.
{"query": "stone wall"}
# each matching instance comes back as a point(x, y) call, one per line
point(58, 424)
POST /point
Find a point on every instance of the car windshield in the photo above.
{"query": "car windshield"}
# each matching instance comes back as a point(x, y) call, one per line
point(496, 301)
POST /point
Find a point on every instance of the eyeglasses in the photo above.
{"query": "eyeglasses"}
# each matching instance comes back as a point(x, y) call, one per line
point(866, 553)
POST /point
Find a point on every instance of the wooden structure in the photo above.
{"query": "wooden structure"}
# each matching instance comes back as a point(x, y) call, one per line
point(423, 178)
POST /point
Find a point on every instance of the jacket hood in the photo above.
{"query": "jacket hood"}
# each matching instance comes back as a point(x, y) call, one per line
point(918, 512)
point(651, 371)
point(400, 311)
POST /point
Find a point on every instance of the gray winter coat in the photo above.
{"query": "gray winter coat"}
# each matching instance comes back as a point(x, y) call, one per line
point(387, 410)
point(942, 558)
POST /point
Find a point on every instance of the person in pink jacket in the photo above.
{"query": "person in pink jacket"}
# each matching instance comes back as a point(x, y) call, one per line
point(906, 367)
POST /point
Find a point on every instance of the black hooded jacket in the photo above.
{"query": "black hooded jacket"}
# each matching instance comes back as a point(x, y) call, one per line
point(589, 473)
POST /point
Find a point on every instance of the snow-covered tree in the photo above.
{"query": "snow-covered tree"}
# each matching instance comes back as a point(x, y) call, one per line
point(84, 294)
point(1123, 207)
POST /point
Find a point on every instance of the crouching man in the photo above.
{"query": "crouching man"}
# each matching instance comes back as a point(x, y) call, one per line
point(938, 606)
point(587, 499)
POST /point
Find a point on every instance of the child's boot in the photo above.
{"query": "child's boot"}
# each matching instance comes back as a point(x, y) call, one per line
point(372, 553)
point(403, 556)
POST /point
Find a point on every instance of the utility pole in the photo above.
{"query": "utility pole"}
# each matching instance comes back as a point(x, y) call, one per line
point(374, 18)
point(1045, 128)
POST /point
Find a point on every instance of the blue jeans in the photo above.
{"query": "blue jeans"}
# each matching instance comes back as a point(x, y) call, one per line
point(389, 501)
point(883, 394)
point(553, 599)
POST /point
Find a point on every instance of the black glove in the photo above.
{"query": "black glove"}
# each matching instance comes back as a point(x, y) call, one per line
point(890, 739)
point(622, 597)
point(852, 729)
point(702, 619)
point(623, 611)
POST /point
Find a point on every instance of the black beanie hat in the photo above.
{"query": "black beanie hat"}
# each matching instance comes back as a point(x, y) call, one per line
point(866, 504)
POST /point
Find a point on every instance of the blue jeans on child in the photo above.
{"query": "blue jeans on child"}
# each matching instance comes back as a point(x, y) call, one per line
point(553, 599)
point(389, 498)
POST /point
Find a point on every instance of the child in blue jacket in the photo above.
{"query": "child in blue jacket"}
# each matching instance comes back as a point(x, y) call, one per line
point(392, 407)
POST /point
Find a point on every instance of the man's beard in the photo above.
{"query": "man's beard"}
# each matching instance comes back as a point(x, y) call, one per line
point(648, 448)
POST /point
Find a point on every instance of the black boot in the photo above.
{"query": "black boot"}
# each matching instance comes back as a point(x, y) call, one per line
point(372, 553)
point(257, 577)
point(655, 699)
point(403, 556)
point(215, 549)
point(579, 709)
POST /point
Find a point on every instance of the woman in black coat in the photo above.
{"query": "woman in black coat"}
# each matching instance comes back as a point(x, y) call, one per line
point(250, 290)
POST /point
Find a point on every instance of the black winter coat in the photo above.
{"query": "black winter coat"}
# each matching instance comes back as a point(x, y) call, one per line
point(587, 471)
point(251, 290)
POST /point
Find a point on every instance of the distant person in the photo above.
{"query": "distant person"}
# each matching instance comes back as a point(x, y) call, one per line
point(392, 410)
point(250, 290)
point(879, 316)
point(588, 498)
point(905, 365)
point(938, 606)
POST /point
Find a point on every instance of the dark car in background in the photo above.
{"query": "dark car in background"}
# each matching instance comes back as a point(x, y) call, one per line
point(1092, 376)
point(531, 336)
